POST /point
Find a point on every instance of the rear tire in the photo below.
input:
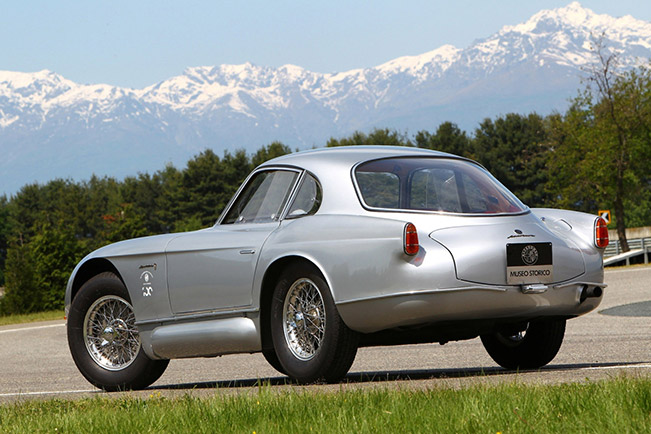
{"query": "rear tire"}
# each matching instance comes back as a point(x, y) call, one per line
point(530, 349)
point(104, 340)
point(311, 341)
point(271, 358)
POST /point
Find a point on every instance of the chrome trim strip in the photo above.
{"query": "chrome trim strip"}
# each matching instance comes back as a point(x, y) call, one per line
point(200, 315)
point(430, 292)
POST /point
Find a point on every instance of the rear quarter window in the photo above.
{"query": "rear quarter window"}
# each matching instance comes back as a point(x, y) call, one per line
point(381, 189)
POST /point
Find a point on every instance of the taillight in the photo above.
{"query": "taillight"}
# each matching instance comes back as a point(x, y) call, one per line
point(410, 240)
point(601, 233)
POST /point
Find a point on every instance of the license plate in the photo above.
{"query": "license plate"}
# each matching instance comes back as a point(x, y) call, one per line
point(529, 263)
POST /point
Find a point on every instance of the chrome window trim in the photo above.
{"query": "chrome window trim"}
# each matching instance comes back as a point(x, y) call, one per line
point(248, 178)
point(299, 184)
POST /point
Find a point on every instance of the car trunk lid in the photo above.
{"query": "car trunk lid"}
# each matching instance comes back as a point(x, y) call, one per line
point(480, 253)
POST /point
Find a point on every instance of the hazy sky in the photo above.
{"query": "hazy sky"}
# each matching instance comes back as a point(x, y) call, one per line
point(136, 43)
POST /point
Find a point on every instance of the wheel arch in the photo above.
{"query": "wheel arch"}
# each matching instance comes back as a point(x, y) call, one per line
point(86, 271)
point(271, 276)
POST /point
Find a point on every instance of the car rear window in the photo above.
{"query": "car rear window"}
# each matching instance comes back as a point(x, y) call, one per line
point(433, 184)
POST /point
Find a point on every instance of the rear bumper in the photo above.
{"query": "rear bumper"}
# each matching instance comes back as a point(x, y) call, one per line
point(467, 303)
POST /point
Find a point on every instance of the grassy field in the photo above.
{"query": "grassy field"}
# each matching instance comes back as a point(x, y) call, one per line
point(622, 404)
point(31, 317)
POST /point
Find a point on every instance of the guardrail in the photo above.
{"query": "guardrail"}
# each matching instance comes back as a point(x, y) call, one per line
point(638, 246)
point(615, 248)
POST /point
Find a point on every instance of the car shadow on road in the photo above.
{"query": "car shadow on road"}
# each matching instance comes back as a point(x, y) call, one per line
point(388, 376)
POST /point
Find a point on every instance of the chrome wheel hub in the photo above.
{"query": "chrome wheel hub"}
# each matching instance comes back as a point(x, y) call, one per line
point(304, 319)
point(110, 333)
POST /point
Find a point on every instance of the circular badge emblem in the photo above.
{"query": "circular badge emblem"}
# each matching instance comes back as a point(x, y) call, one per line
point(529, 255)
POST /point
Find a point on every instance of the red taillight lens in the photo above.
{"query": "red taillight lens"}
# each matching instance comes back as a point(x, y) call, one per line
point(601, 233)
point(411, 240)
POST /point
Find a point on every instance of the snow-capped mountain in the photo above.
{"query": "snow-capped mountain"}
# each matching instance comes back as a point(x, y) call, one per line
point(52, 127)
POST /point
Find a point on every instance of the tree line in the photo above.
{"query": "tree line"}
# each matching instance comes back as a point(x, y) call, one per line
point(596, 155)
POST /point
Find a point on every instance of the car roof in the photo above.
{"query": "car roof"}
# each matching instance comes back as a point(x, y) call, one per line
point(332, 167)
point(350, 155)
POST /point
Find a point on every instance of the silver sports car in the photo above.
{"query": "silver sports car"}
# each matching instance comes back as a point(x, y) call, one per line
point(321, 252)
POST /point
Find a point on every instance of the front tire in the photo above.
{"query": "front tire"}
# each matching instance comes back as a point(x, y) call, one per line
point(531, 348)
point(312, 342)
point(104, 340)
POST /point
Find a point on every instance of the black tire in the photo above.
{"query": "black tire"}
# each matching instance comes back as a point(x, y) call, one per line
point(271, 358)
point(314, 344)
point(531, 349)
point(120, 364)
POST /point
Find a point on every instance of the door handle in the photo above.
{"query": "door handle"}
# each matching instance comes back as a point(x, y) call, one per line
point(247, 252)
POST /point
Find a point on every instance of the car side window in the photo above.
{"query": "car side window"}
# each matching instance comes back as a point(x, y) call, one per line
point(307, 200)
point(263, 198)
point(379, 189)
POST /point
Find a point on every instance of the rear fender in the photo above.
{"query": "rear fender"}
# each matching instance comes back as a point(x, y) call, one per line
point(578, 226)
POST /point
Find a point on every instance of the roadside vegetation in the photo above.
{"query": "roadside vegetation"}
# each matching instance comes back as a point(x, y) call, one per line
point(621, 404)
point(595, 156)
point(49, 315)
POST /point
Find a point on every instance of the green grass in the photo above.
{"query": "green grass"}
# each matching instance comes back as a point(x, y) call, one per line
point(31, 317)
point(622, 404)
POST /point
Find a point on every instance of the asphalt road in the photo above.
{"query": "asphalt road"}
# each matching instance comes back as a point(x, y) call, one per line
point(35, 362)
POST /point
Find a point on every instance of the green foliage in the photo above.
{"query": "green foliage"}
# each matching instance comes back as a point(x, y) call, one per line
point(4, 231)
point(448, 138)
point(208, 183)
point(601, 155)
point(37, 273)
point(513, 148)
point(127, 222)
point(54, 251)
point(377, 137)
point(275, 149)
point(22, 293)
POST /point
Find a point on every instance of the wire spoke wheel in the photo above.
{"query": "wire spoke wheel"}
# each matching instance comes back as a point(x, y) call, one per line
point(304, 319)
point(310, 340)
point(110, 333)
point(514, 339)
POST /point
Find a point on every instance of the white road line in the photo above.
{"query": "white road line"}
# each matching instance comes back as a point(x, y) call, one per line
point(633, 366)
point(31, 328)
point(53, 392)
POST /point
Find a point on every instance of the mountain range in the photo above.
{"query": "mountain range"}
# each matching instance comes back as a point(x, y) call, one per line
point(53, 127)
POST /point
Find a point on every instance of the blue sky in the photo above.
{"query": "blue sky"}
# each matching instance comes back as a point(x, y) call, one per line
point(136, 43)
